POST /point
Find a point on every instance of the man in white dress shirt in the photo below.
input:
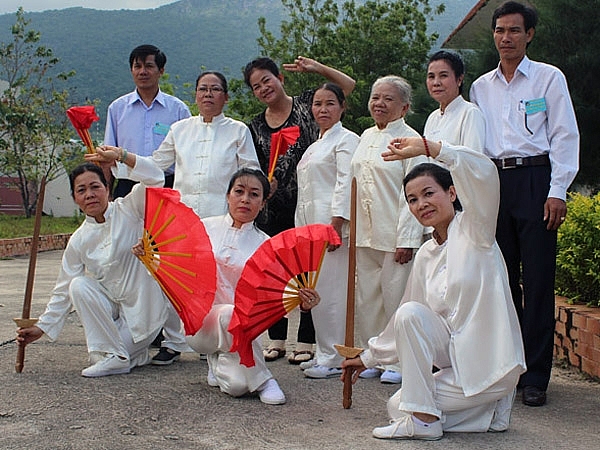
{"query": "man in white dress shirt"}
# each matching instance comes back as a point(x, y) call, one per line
point(532, 136)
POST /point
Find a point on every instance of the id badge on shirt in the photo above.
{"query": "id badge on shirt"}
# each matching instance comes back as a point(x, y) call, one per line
point(530, 107)
point(534, 106)
point(161, 128)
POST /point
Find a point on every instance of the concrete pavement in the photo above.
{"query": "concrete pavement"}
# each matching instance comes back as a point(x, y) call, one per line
point(50, 406)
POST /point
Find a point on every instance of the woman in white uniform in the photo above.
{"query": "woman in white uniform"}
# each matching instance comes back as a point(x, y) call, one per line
point(457, 313)
point(456, 121)
point(207, 149)
point(386, 233)
point(234, 238)
point(324, 197)
point(121, 307)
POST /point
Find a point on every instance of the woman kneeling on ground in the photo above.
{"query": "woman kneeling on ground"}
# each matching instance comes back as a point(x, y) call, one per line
point(456, 313)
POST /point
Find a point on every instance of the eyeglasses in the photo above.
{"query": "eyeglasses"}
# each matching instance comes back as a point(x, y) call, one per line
point(214, 89)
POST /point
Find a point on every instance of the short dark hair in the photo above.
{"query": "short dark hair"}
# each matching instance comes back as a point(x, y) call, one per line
point(82, 168)
point(454, 60)
point(143, 51)
point(256, 173)
point(260, 64)
point(219, 75)
point(529, 14)
point(440, 174)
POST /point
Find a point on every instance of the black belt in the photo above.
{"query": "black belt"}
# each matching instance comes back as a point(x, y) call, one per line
point(529, 161)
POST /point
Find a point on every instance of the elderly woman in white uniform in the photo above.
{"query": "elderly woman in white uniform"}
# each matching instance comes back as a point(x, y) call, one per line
point(457, 312)
point(386, 233)
point(121, 307)
point(324, 197)
point(456, 121)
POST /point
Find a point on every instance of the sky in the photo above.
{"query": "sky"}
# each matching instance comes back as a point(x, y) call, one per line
point(11, 6)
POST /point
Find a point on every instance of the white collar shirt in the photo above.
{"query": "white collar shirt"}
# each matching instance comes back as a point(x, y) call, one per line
point(324, 177)
point(462, 123)
point(532, 115)
point(383, 220)
point(232, 247)
point(206, 155)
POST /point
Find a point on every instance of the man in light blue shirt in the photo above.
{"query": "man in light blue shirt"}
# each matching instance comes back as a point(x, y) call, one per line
point(140, 120)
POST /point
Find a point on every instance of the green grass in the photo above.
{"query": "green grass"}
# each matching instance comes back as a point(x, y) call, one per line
point(17, 226)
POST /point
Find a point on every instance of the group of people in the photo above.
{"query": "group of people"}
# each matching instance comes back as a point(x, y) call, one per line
point(455, 230)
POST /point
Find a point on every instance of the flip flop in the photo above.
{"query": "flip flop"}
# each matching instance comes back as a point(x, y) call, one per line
point(300, 356)
point(272, 354)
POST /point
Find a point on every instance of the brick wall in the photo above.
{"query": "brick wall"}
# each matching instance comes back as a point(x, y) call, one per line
point(577, 336)
point(21, 246)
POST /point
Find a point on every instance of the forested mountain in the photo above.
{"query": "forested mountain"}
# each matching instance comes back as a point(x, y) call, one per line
point(195, 35)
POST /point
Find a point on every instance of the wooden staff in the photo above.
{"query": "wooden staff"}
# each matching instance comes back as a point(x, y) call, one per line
point(348, 350)
point(25, 321)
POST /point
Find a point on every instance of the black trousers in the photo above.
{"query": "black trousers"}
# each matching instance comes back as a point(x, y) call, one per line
point(529, 250)
point(306, 329)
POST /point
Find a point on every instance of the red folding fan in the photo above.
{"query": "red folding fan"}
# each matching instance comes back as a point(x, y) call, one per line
point(179, 255)
point(269, 284)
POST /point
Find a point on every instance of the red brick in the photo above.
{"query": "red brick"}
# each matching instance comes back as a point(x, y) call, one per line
point(596, 354)
point(593, 324)
point(562, 315)
point(585, 337)
point(560, 329)
point(585, 351)
point(568, 344)
point(579, 321)
point(574, 334)
point(590, 367)
point(574, 360)
point(596, 341)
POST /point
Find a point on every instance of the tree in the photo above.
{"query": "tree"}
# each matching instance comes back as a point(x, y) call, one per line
point(34, 135)
point(365, 41)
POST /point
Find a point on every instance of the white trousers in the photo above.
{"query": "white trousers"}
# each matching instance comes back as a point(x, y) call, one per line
point(173, 333)
point(422, 340)
point(213, 339)
point(380, 283)
point(104, 324)
point(329, 316)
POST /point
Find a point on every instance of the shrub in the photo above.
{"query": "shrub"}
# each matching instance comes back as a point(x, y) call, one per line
point(578, 252)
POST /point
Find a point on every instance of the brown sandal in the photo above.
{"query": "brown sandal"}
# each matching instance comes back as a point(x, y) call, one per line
point(272, 354)
point(300, 356)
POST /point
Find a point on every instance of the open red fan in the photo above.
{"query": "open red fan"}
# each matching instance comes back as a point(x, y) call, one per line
point(273, 275)
point(280, 142)
point(82, 118)
point(179, 255)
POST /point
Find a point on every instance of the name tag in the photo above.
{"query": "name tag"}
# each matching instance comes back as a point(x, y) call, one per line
point(535, 105)
point(161, 128)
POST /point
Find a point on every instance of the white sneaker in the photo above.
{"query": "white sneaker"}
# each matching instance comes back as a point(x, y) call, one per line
point(270, 393)
point(406, 428)
point(111, 364)
point(501, 417)
point(391, 377)
point(370, 373)
point(211, 379)
point(318, 371)
point(308, 364)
